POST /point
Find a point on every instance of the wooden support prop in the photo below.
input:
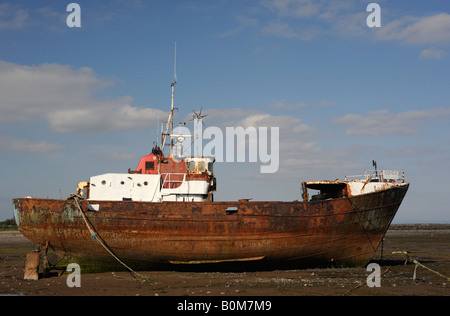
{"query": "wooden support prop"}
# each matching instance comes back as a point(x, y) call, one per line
point(32, 265)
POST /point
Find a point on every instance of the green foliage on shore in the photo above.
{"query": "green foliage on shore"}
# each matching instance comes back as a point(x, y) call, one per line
point(9, 224)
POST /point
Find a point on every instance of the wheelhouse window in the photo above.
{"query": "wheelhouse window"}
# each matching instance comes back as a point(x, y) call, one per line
point(149, 165)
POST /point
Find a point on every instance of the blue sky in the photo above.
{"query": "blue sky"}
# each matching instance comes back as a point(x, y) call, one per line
point(78, 102)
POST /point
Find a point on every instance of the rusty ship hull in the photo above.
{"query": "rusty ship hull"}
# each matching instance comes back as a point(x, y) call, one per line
point(344, 231)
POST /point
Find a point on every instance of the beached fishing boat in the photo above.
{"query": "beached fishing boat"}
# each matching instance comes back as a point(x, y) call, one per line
point(164, 212)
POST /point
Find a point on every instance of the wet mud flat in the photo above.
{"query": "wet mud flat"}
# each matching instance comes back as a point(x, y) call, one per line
point(427, 244)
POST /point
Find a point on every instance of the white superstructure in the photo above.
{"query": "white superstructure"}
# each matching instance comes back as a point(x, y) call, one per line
point(145, 188)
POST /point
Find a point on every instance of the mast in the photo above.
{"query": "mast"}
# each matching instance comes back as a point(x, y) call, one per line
point(170, 120)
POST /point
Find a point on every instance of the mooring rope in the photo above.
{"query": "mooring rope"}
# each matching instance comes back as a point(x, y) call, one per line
point(417, 263)
point(96, 236)
point(357, 212)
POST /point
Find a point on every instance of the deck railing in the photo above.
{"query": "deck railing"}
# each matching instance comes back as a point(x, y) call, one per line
point(381, 176)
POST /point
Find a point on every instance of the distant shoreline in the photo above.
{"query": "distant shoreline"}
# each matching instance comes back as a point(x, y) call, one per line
point(419, 226)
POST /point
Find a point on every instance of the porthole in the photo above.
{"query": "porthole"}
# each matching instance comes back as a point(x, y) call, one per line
point(145, 183)
point(104, 182)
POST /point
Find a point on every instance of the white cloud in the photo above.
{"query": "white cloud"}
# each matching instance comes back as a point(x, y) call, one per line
point(225, 117)
point(298, 147)
point(119, 156)
point(300, 154)
point(325, 103)
point(66, 99)
point(280, 29)
point(308, 19)
point(12, 17)
point(290, 127)
point(295, 8)
point(433, 29)
point(384, 122)
point(432, 53)
point(282, 105)
point(350, 24)
point(413, 151)
point(25, 146)
point(299, 150)
point(243, 23)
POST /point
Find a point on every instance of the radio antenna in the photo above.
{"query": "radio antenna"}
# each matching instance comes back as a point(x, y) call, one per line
point(175, 65)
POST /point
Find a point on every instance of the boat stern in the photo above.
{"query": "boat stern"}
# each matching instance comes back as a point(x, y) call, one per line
point(356, 185)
